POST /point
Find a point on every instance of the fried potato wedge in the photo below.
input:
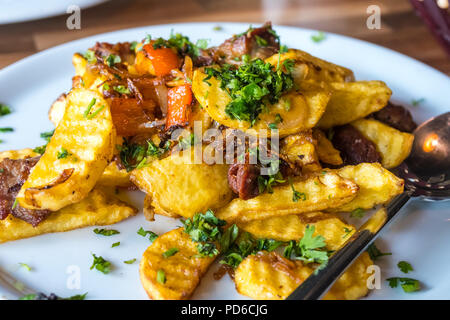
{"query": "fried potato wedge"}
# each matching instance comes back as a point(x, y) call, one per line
point(393, 145)
point(292, 227)
point(75, 157)
point(18, 154)
point(299, 110)
point(268, 276)
point(322, 191)
point(115, 177)
point(308, 67)
point(300, 149)
point(354, 100)
point(376, 186)
point(183, 271)
point(325, 149)
point(57, 109)
point(178, 186)
point(98, 208)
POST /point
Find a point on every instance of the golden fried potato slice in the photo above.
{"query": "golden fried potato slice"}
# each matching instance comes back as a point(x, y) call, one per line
point(75, 157)
point(323, 191)
point(376, 186)
point(300, 149)
point(292, 227)
point(178, 186)
point(298, 110)
point(115, 177)
point(354, 100)
point(18, 154)
point(393, 145)
point(57, 109)
point(182, 271)
point(308, 67)
point(325, 149)
point(268, 276)
point(98, 208)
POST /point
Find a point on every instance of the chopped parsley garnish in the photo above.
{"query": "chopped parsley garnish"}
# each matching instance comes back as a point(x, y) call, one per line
point(252, 87)
point(296, 195)
point(161, 276)
point(96, 112)
point(122, 89)
point(205, 229)
point(47, 136)
point(115, 244)
point(7, 129)
point(101, 264)
point(130, 261)
point(261, 41)
point(186, 143)
point(267, 182)
point(89, 107)
point(134, 155)
point(152, 236)
point(4, 109)
point(416, 102)
point(133, 45)
point(408, 284)
point(63, 153)
point(89, 55)
point(112, 59)
point(375, 253)
point(52, 296)
point(16, 202)
point(218, 28)
point(24, 265)
point(357, 213)
point(347, 232)
point(245, 245)
point(40, 149)
point(181, 44)
point(170, 252)
point(106, 232)
point(319, 37)
point(309, 249)
point(405, 266)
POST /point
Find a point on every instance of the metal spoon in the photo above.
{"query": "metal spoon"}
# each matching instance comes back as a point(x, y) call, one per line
point(427, 175)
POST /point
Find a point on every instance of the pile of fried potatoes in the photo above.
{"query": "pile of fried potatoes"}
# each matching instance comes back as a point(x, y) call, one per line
point(78, 188)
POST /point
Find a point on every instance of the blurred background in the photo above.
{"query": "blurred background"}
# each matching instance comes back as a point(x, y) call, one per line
point(419, 29)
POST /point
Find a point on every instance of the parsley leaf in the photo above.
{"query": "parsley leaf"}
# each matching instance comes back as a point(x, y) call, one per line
point(152, 236)
point(205, 229)
point(4, 109)
point(122, 89)
point(405, 266)
point(112, 59)
point(115, 244)
point(319, 37)
point(161, 276)
point(375, 253)
point(408, 284)
point(416, 102)
point(296, 195)
point(106, 232)
point(63, 153)
point(357, 213)
point(7, 129)
point(101, 264)
point(26, 266)
point(309, 249)
point(170, 252)
point(89, 55)
point(130, 261)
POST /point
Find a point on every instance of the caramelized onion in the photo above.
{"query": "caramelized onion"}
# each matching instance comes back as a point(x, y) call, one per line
point(161, 93)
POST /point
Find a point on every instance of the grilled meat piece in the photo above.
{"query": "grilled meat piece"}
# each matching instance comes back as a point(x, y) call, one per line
point(13, 174)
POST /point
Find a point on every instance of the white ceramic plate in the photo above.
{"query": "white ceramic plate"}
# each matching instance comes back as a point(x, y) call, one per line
point(26, 10)
point(420, 235)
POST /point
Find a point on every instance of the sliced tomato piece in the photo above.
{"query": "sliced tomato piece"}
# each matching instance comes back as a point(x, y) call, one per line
point(179, 106)
point(163, 59)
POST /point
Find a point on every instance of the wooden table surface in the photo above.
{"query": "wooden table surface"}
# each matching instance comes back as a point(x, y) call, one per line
point(401, 29)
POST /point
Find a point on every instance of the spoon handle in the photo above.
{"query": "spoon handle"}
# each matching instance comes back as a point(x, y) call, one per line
point(316, 285)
